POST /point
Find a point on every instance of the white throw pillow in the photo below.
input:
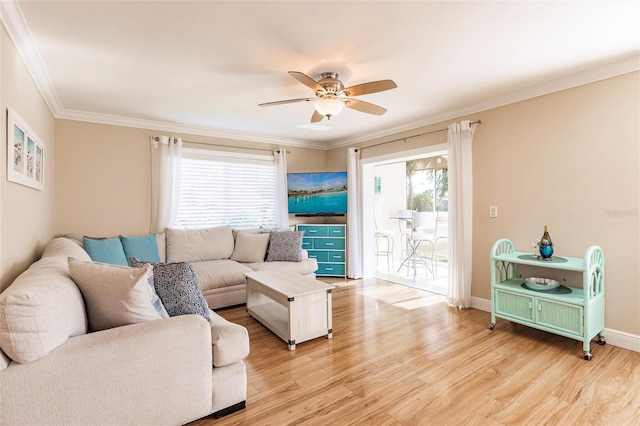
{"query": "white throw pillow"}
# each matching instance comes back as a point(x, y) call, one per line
point(191, 245)
point(250, 247)
point(116, 295)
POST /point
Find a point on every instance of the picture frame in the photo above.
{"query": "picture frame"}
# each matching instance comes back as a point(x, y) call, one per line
point(25, 153)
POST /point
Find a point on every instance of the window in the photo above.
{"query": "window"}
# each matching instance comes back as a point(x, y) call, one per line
point(222, 188)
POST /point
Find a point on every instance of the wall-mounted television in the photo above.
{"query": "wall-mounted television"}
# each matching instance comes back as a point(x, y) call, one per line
point(317, 194)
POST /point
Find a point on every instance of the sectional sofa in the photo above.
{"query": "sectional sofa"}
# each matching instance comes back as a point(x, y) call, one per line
point(220, 255)
point(64, 359)
point(54, 369)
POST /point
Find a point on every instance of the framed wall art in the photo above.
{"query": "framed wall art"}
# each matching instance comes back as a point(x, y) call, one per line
point(25, 153)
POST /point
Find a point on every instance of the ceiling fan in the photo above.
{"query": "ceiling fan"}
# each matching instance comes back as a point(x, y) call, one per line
point(332, 96)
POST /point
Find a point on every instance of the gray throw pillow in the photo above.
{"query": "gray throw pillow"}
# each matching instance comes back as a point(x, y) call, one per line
point(177, 286)
point(285, 246)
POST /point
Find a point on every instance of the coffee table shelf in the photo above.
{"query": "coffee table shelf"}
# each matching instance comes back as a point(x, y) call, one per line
point(294, 307)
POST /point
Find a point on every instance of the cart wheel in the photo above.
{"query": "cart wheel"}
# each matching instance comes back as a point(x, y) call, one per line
point(587, 356)
point(601, 341)
point(491, 326)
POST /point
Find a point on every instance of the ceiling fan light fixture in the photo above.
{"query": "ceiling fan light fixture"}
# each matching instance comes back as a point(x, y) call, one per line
point(329, 106)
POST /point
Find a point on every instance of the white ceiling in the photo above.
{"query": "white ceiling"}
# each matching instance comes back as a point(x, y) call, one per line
point(203, 67)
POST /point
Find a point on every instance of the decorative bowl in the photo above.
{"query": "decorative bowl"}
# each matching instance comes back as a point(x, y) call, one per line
point(541, 283)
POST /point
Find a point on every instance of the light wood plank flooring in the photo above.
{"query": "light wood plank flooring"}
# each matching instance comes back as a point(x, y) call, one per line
point(400, 356)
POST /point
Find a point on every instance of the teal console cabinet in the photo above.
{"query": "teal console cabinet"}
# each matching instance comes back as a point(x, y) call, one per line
point(328, 245)
point(572, 312)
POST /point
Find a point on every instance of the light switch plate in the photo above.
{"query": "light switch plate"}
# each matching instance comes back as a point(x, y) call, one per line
point(493, 211)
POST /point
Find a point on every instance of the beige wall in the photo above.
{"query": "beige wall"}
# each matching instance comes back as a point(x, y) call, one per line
point(26, 214)
point(570, 160)
point(103, 182)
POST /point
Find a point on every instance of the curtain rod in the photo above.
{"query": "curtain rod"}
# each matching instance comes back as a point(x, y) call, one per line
point(414, 136)
point(239, 147)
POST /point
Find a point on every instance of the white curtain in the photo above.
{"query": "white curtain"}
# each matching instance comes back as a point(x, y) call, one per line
point(281, 187)
point(354, 214)
point(165, 178)
point(460, 213)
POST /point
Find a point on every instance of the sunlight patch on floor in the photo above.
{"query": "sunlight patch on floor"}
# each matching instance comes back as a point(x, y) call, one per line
point(408, 300)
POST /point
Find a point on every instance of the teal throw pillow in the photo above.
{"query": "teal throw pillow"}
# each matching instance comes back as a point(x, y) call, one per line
point(143, 248)
point(105, 250)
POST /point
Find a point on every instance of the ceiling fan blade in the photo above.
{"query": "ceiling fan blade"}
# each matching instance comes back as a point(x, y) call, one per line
point(371, 87)
point(316, 117)
point(307, 81)
point(287, 101)
point(363, 106)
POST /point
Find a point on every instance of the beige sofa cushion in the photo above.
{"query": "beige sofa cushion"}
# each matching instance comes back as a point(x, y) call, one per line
point(40, 310)
point(190, 245)
point(250, 247)
point(305, 266)
point(116, 295)
point(220, 273)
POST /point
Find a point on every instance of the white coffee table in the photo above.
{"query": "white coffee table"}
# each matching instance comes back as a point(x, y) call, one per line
point(296, 308)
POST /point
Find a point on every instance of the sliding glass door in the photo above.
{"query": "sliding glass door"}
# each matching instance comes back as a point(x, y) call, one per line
point(410, 209)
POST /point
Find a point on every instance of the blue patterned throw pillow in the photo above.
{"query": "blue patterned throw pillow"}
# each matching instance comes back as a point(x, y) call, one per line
point(285, 246)
point(177, 286)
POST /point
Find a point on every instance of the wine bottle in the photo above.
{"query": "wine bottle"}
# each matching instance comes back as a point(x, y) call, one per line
point(546, 239)
point(546, 246)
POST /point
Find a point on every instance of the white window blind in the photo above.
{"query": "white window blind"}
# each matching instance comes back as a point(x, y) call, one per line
point(227, 189)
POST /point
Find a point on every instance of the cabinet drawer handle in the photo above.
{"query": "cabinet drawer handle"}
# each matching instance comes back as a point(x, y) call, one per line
point(539, 307)
point(530, 306)
point(328, 269)
point(311, 231)
point(336, 256)
point(329, 244)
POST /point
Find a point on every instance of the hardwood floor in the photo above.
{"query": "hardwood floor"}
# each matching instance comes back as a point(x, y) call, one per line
point(400, 356)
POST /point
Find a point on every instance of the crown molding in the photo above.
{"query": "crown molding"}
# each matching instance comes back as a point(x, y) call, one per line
point(16, 26)
point(184, 129)
point(614, 69)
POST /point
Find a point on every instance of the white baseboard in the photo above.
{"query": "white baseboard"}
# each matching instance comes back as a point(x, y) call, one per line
point(481, 304)
point(617, 338)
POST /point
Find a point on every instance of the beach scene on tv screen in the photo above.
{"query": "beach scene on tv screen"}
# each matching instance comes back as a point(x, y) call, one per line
point(317, 192)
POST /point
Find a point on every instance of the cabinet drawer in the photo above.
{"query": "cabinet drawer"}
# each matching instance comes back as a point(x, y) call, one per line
point(314, 230)
point(320, 256)
point(307, 243)
point(560, 316)
point(329, 243)
point(514, 305)
point(335, 256)
point(330, 269)
point(336, 231)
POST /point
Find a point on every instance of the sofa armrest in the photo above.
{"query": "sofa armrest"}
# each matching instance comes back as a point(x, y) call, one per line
point(157, 372)
point(229, 341)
